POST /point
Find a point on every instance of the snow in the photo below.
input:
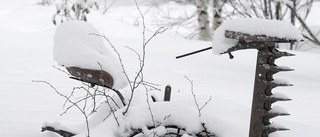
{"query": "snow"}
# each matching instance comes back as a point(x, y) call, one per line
point(26, 54)
point(280, 81)
point(278, 110)
point(252, 26)
point(279, 95)
point(76, 46)
point(276, 125)
point(159, 131)
point(167, 113)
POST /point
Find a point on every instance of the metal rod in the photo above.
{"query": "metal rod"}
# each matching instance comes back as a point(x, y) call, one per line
point(194, 52)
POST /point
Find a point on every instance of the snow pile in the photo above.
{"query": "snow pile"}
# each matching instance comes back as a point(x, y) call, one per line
point(163, 114)
point(252, 26)
point(158, 131)
point(278, 110)
point(75, 47)
point(279, 95)
point(281, 82)
point(165, 119)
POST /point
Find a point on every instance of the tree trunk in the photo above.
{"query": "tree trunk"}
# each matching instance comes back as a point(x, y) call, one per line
point(265, 10)
point(217, 9)
point(278, 8)
point(203, 20)
point(294, 9)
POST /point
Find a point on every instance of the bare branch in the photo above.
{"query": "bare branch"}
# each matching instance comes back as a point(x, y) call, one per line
point(194, 96)
point(107, 8)
point(195, 99)
point(315, 39)
point(205, 104)
point(72, 102)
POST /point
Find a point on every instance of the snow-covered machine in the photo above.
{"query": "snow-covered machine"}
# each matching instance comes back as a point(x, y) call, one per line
point(263, 98)
point(262, 35)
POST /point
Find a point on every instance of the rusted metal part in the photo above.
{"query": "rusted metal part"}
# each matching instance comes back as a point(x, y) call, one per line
point(63, 133)
point(247, 45)
point(258, 46)
point(256, 38)
point(264, 83)
point(194, 52)
point(261, 111)
point(95, 77)
point(246, 41)
point(167, 93)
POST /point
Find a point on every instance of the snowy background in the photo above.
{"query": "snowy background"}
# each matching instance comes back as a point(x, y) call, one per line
point(26, 42)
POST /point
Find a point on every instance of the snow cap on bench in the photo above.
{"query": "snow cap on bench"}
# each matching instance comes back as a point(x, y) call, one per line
point(75, 47)
point(253, 26)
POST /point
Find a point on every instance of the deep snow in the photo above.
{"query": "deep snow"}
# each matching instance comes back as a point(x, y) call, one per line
point(26, 54)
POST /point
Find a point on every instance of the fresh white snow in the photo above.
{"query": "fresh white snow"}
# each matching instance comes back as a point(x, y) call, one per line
point(26, 54)
point(252, 26)
point(278, 110)
point(76, 44)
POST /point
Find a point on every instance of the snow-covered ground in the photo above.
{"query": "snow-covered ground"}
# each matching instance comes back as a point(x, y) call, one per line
point(26, 42)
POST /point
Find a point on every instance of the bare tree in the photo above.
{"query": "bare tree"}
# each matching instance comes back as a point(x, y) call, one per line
point(291, 11)
point(107, 6)
point(203, 20)
point(78, 10)
point(217, 13)
point(45, 2)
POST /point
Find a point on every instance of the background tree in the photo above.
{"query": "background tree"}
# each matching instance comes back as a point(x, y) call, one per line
point(210, 14)
point(73, 10)
point(203, 20)
point(293, 11)
point(217, 11)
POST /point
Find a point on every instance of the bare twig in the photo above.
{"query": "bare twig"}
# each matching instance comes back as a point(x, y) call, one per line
point(139, 76)
point(194, 96)
point(107, 8)
point(315, 39)
point(149, 108)
point(195, 99)
point(61, 70)
point(83, 111)
point(205, 103)
point(112, 110)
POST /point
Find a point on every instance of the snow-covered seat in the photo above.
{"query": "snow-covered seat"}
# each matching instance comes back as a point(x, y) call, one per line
point(84, 54)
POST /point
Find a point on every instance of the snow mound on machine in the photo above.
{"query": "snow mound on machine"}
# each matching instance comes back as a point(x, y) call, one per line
point(75, 46)
point(253, 26)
